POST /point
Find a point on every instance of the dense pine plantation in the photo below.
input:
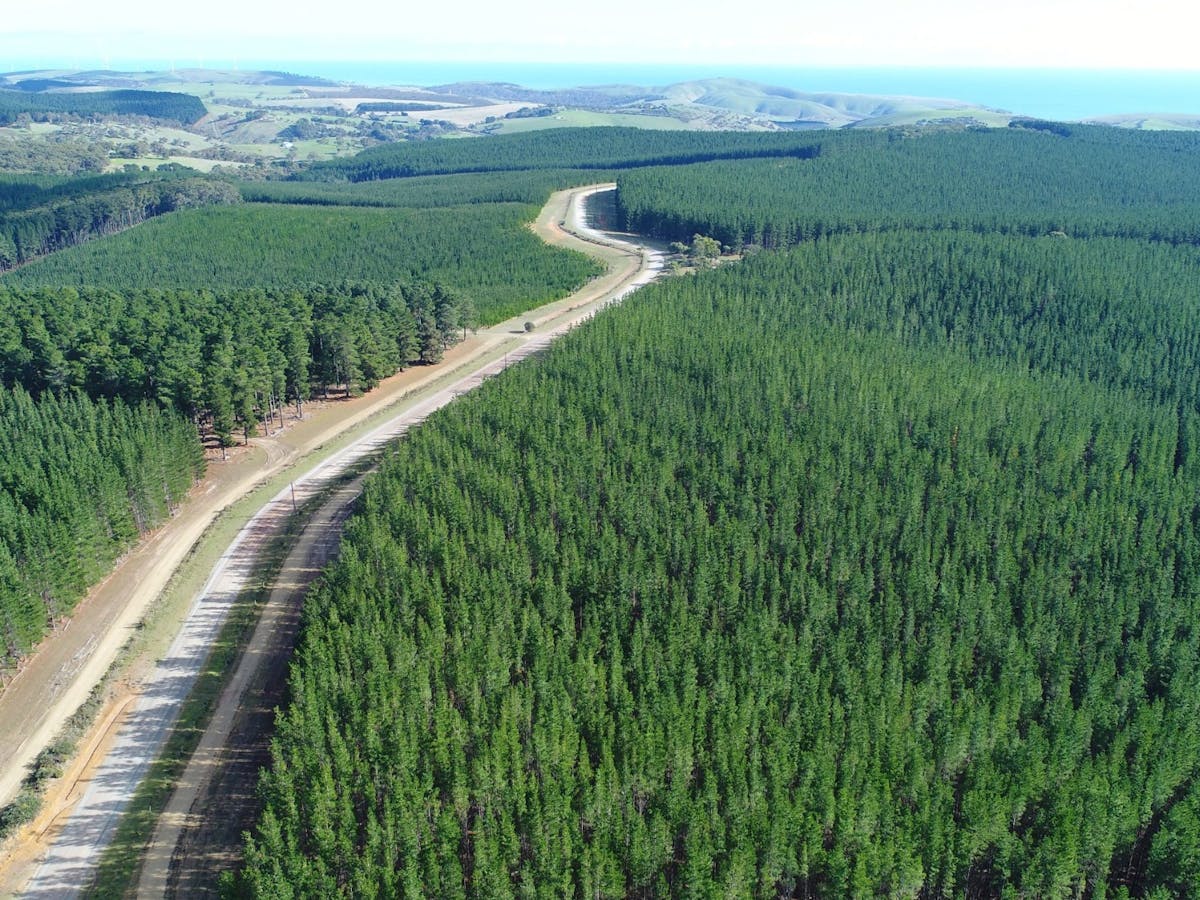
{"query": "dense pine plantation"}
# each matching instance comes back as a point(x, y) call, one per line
point(1092, 181)
point(559, 148)
point(532, 187)
point(79, 482)
point(230, 359)
point(221, 317)
point(42, 106)
point(867, 569)
point(483, 251)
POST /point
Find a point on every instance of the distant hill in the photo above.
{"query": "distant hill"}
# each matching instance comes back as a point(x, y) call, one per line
point(735, 101)
point(1151, 121)
point(732, 104)
point(794, 108)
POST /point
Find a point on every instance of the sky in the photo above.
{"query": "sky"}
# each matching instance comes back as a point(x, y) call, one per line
point(1148, 34)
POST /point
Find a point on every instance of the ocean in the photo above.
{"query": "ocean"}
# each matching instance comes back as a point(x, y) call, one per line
point(1064, 94)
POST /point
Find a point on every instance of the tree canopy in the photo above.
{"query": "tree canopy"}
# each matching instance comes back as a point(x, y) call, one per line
point(865, 569)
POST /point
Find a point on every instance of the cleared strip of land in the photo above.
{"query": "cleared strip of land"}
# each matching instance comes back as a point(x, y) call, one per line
point(70, 861)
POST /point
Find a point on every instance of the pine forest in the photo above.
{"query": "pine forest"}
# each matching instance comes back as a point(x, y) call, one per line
point(864, 568)
point(861, 562)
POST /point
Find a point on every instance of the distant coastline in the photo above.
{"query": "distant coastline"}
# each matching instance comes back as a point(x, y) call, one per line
point(1048, 93)
point(1065, 94)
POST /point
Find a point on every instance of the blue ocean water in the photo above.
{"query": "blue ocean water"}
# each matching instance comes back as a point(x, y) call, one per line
point(1047, 93)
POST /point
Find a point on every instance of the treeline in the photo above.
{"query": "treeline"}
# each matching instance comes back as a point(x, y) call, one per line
point(483, 252)
point(93, 211)
point(530, 187)
point(559, 148)
point(80, 481)
point(1097, 181)
point(228, 360)
point(386, 106)
point(28, 191)
point(41, 107)
point(735, 594)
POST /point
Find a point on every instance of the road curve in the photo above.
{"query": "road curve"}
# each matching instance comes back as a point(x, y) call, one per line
point(70, 863)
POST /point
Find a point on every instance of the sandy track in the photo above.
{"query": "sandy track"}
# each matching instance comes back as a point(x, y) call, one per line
point(69, 862)
point(198, 833)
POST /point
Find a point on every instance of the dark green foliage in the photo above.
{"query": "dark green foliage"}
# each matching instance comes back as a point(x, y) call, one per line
point(76, 211)
point(1124, 314)
point(559, 148)
point(79, 482)
point(532, 186)
point(1174, 847)
point(1099, 181)
point(483, 252)
point(23, 192)
point(34, 85)
point(1059, 128)
point(164, 105)
point(831, 575)
point(228, 359)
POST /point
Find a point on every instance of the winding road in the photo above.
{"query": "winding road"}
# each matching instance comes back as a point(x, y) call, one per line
point(70, 861)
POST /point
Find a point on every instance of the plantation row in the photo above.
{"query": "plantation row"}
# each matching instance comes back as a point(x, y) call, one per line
point(734, 594)
point(1097, 181)
point(80, 481)
point(483, 252)
point(226, 360)
point(1124, 314)
point(531, 187)
point(559, 148)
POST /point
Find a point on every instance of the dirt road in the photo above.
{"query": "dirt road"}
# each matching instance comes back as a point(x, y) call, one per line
point(68, 865)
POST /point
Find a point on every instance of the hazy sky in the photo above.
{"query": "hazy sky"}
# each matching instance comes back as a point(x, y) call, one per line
point(1074, 33)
